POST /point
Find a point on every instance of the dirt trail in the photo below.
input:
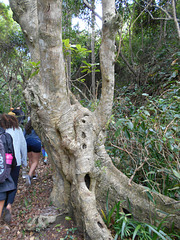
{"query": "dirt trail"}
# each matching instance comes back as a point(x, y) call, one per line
point(30, 202)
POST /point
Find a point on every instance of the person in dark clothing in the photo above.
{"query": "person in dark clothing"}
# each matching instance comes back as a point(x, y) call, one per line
point(20, 115)
point(8, 184)
point(10, 124)
point(33, 151)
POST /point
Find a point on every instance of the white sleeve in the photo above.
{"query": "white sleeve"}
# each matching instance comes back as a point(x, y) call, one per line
point(23, 146)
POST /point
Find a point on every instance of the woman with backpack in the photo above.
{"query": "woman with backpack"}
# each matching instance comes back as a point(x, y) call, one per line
point(7, 156)
point(10, 124)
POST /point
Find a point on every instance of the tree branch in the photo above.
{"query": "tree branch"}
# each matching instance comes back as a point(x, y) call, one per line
point(169, 17)
point(92, 9)
point(127, 63)
point(142, 12)
point(175, 18)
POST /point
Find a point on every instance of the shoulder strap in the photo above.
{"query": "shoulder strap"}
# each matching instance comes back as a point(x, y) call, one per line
point(3, 166)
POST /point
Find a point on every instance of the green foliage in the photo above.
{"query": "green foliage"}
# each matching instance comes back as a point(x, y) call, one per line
point(149, 139)
point(67, 218)
point(88, 67)
point(78, 49)
point(108, 216)
point(148, 43)
point(69, 233)
point(125, 226)
point(78, 53)
point(13, 58)
point(58, 227)
point(34, 68)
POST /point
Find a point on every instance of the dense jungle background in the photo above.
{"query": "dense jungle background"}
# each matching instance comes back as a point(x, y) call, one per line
point(143, 137)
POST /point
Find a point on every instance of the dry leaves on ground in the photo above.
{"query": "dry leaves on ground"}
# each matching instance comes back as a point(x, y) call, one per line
point(30, 202)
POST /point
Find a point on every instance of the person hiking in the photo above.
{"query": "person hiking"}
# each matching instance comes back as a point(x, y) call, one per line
point(20, 114)
point(11, 126)
point(8, 184)
point(33, 149)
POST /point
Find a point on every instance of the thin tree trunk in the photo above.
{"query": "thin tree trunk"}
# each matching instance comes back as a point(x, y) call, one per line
point(175, 18)
point(93, 51)
point(69, 68)
point(10, 96)
point(130, 37)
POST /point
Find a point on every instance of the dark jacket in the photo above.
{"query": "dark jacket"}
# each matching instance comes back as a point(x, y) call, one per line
point(8, 184)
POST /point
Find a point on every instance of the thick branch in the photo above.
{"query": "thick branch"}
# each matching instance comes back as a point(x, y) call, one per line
point(107, 57)
point(50, 45)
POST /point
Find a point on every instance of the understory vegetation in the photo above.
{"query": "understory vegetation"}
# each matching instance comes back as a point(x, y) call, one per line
point(144, 143)
point(125, 226)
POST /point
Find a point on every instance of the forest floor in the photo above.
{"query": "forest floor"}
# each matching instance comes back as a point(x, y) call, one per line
point(31, 201)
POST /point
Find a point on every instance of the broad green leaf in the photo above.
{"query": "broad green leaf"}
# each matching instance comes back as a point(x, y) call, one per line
point(88, 64)
point(34, 73)
point(66, 42)
point(177, 174)
point(147, 113)
point(86, 70)
point(58, 225)
point(130, 125)
point(35, 64)
point(152, 130)
point(78, 46)
point(127, 134)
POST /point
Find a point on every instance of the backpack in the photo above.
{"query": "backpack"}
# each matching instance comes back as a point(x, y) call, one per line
point(7, 159)
point(3, 166)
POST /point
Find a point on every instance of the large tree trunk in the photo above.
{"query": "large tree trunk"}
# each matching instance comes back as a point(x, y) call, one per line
point(74, 137)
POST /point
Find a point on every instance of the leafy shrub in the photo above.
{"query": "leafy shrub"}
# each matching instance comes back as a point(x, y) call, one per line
point(147, 141)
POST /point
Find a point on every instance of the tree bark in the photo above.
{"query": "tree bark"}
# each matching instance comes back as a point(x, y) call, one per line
point(93, 52)
point(73, 136)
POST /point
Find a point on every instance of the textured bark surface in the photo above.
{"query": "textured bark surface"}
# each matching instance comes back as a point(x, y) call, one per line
point(73, 136)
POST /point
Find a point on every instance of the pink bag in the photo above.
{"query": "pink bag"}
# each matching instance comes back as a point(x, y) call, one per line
point(9, 158)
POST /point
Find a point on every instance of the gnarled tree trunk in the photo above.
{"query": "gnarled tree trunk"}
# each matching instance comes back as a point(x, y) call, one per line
point(74, 137)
